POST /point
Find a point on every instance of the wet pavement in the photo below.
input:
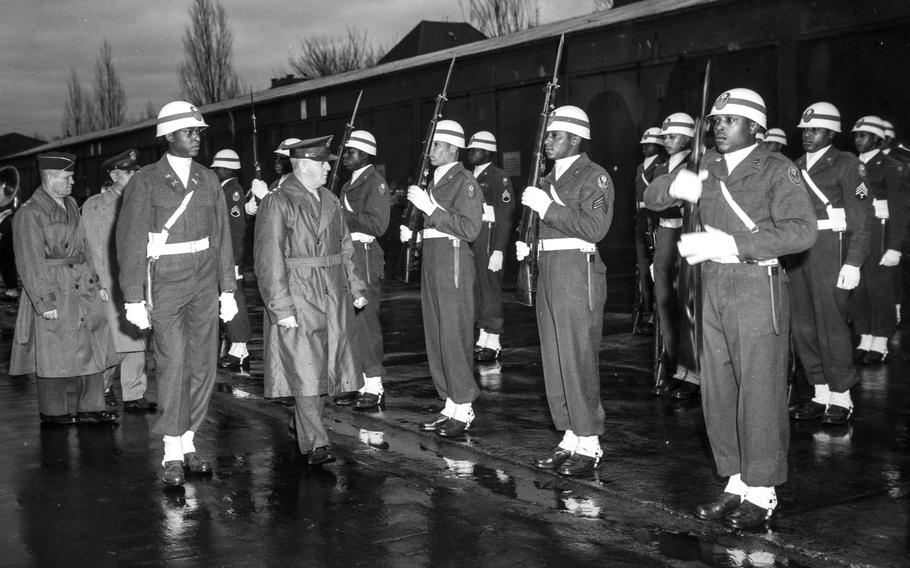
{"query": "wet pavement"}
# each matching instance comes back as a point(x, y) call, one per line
point(90, 495)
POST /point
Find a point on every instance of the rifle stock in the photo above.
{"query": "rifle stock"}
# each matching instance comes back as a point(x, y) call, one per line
point(528, 228)
point(409, 260)
point(332, 185)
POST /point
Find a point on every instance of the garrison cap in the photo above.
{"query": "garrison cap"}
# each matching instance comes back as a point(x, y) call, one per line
point(57, 161)
point(125, 161)
point(316, 149)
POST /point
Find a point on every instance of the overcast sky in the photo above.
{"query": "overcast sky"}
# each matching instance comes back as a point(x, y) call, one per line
point(42, 40)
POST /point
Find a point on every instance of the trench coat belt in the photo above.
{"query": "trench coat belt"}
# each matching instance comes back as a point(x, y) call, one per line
point(436, 234)
point(362, 238)
point(314, 261)
point(567, 243)
point(78, 259)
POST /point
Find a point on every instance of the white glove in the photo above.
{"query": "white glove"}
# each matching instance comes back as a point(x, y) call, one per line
point(710, 245)
point(522, 250)
point(289, 322)
point(881, 208)
point(838, 219)
point(404, 234)
point(137, 315)
point(228, 306)
point(890, 258)
point(360, 302)
point(848, 278)
point(259, 188)
point(495, 264)
point(489, 215)
point(251, 206)
point(537, 199)
point(687, 185)
point(421, 200)
point(104, 295)
point(50, 315)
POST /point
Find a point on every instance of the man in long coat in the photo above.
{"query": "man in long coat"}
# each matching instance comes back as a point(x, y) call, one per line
point(305, 269)
point(61, 330)
point(99, 214)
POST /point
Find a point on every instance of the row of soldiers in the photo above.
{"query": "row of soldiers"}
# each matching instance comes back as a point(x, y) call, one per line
point(318, 266)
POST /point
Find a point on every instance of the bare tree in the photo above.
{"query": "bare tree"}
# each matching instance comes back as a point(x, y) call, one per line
point(77, 114)
point(321, 56)
point(207, 73)
point(109, 108)
point(500, 17)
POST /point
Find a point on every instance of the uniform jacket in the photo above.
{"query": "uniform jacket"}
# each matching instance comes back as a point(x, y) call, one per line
point(586, 193)
point(498, 193)
point(769, 189)
point(657, 195)
point(315, 358)
point(149, 199)
point(367, 208)
point(841, 178)
point(460, 210)
point(887, 179)
point(99, 215)
point(50, 257)
point(233, 198)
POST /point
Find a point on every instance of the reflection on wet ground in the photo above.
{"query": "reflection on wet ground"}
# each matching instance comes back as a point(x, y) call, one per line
point(398, 497)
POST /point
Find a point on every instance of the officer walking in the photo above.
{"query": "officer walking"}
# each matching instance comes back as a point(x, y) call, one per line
point(874, 313)
point(174, 250)
point(99, 217)
point(305, 269)
point(575, 210)
point(453, 213)
point(366, 212)
point(678, 130)
point(755, 209)
point(226, 164)
point(498, 209)
point(61, 328)
point(821, 277)
point(652, 144)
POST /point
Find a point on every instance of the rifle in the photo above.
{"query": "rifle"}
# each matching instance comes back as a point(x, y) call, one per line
point(256, 167)
point(527, 229)
point(690, 344)
point(408, 262)
point(348, 128)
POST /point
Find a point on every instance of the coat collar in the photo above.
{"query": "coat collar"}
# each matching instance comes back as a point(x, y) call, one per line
point(173, 180)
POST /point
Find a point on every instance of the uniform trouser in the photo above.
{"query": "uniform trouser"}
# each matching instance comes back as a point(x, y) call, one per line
point(874, 299)
point(819, 316)
point(185, 330)
point(666, 260)
point(643, 258)
point(52, 399)
point(239, 330)
point(448, 318)
point(570, 323)
point(744, 372)
point(7, 255)
point(133, 379)
point(488, 286)
point(367, 330)
point(311, 432)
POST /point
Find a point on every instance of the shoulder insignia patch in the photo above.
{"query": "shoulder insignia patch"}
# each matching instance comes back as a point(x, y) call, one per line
point(793, 174)
point(600, 203)
point(506, 196)
point(235, 211)
point(236, 195)
point(862, 191)
point(862, 169)
point(383, 189)
point(602, 183)
point(471, 189)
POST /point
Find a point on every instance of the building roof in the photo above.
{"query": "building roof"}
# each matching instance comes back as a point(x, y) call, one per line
point(427, 37)
point(14, 143)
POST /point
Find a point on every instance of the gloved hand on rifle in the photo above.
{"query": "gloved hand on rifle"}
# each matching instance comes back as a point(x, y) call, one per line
point(536, 199)
point(713, 244)
point(360, 302)
point(259, 188)
point(891, 258)
point(522, 250)
point(251, 206)
point(421, 200)
point(228, 306)
point(687, 185)
point(137, 315)
point(848, 278)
